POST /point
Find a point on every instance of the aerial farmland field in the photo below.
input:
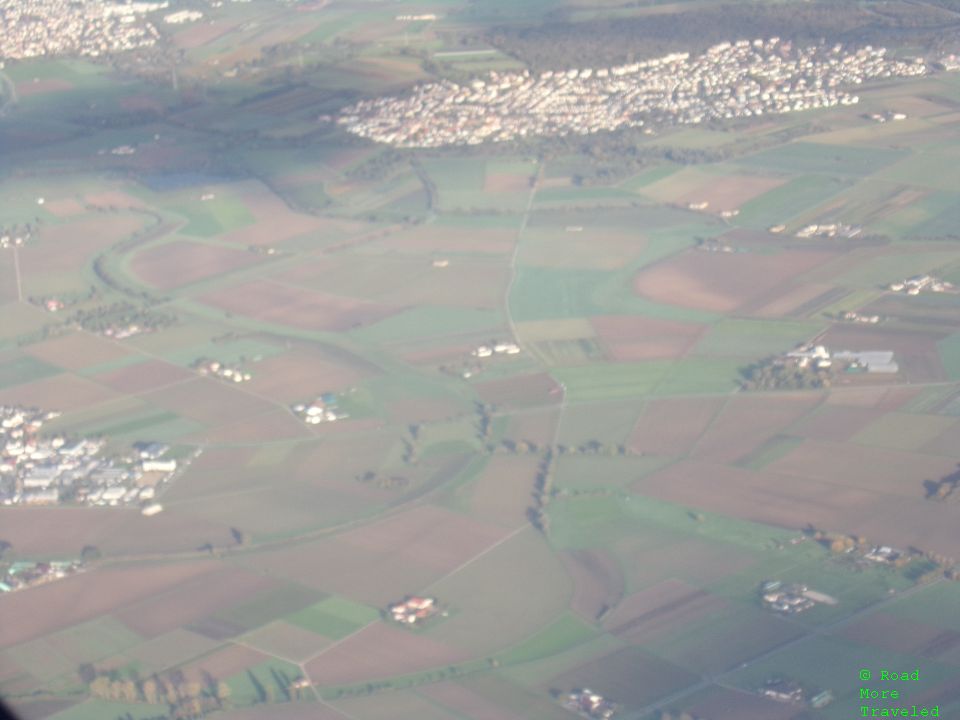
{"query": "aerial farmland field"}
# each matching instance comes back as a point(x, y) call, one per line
point(316, 314)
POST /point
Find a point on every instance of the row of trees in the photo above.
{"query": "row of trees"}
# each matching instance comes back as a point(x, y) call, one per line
point(773, 374)
point(562, 44)
point(119, 314)
point(945, 488)
point(924, 565)
point(383, 481)
point(543, 492)
point(185, 699)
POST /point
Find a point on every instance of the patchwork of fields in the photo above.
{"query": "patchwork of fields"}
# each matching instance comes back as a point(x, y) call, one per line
point(538, 385)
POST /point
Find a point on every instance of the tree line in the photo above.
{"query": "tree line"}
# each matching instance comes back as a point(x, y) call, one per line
point(560, 43)
point(185, 699)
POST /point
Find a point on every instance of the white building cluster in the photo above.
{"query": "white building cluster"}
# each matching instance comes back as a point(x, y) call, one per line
point(497, 348)
point(730, 80)
point(322, 409)
point(34, 28)
point(40, 469)
point(918, 283)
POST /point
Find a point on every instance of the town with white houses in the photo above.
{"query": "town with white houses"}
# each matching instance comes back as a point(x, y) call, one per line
point(730, 80)
point(51, 469)
point(37, 28)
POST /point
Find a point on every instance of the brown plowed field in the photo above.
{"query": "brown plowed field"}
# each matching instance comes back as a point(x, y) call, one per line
point(672, 426)
point(506, 183)
point(631, 676)
point(466, 703)
point(65, 207)
point(143, 377)
point(68, 246)
point(694, 558)
point(760, 496)
point(178, 263)
point(794, 502)
point(836, 423)
point(628, 338)
point(403, 280)
point(278, 424)
point(426, 535)
point(726, 704)
point(748, 421)
point(503, 491)
point(296, 307)
point(209, 401)
point(116, 531)
point(874, 469)
point(42, 86)
point(387, 559)
point(597, 580)
point(380, 651)
point(54, 606)
point(289, 641)
point(663, 608)
point(728, 193)
point(533, 427)
point(538, 389)
point(723, 282)
point(899, 635)
point(77, 350)
point(192, 600)
point(223, 663)
point(113, 198)
point(58, 392)
point(287, 711)
point(797, 301)
point(299, 374)
point(439, 239)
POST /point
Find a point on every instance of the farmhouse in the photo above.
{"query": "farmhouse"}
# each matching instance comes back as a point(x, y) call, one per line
point(590, 704)
point(413, 610)
point(322, 409)
point(883, 554)
point(785, 691)
point(791, 599)
point(223, 371)
point(873, 361)
point(496, 348)
point(914, 285)
point(163, 466)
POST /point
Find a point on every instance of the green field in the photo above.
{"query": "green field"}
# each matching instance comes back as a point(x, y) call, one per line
point(806, 157)
point(19, 370)
point(547, 293)
point(755, 338)
point(567, 632)
point(784, 203)
point(334, 617)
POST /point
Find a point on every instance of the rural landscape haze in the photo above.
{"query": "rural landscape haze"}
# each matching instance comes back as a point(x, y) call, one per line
point(480, 359)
